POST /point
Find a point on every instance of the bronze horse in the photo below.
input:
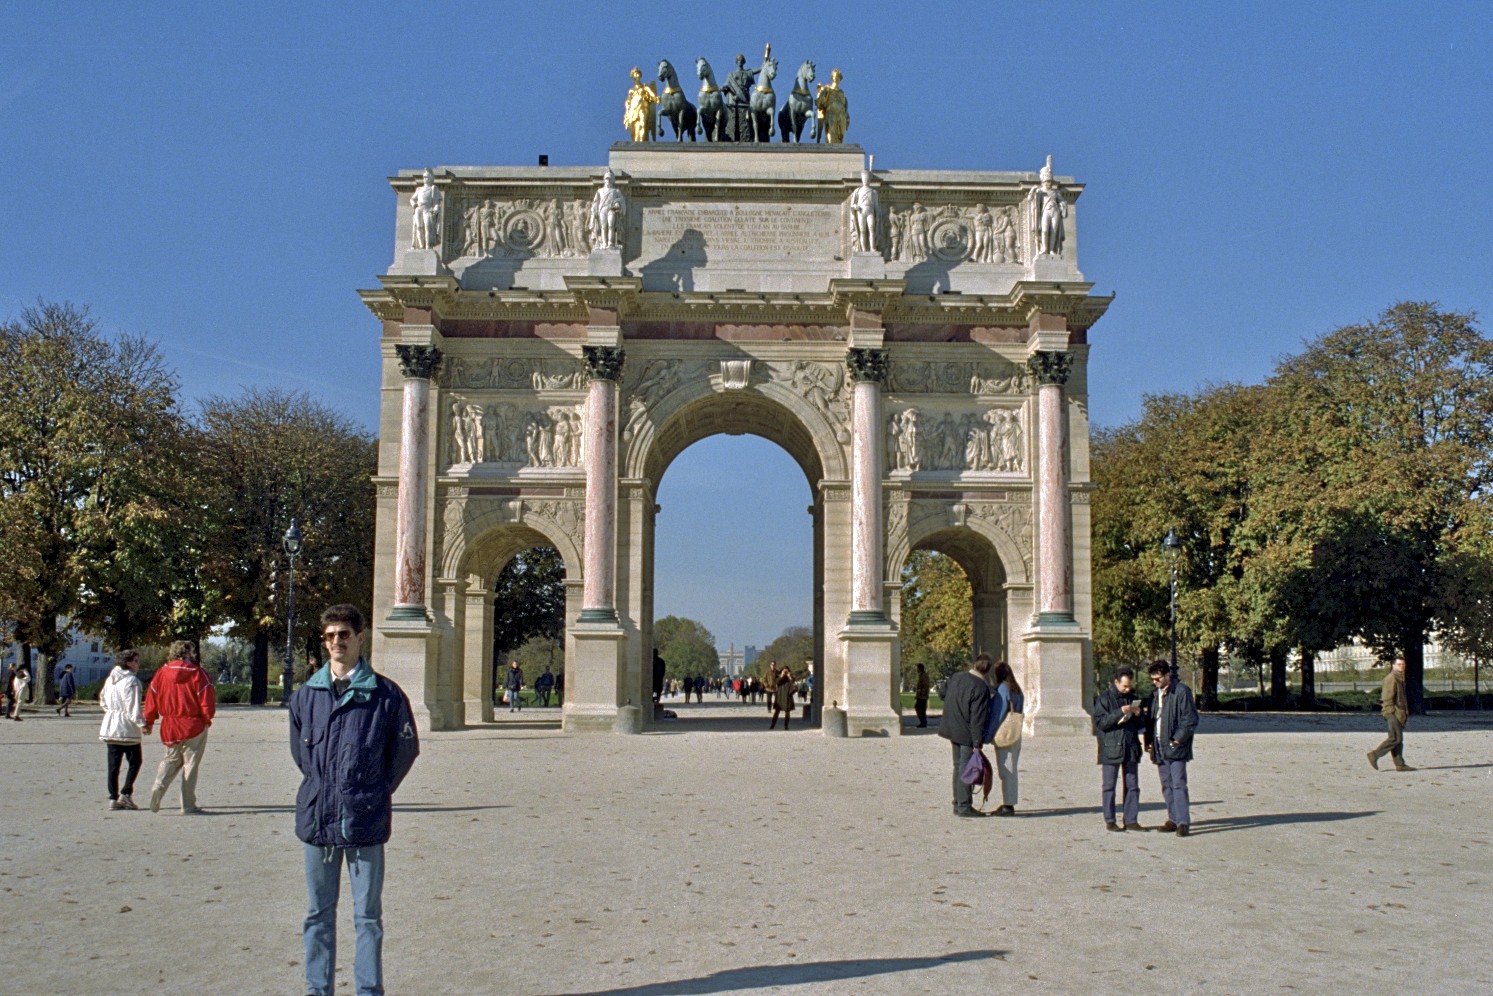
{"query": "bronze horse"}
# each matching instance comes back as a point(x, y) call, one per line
point(672, 104)
point(764, 102)
point(799, 108)
point(712, 105)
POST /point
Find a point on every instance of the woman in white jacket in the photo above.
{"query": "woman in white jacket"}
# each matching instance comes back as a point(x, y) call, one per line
point(124, 723)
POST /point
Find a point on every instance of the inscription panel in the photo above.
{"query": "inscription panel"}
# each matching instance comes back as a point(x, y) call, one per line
point(775, 231)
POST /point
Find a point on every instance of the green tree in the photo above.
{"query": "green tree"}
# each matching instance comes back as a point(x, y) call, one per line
point(528, 605)
point(687, 647)
point(90, 506)
point(793, 648)
point(1390, 426)
point(937, 622)
point(270, 456)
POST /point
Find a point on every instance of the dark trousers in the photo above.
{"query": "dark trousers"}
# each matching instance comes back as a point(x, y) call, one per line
point(123, 752)
point(964, 795)
point(1112, 772)
point(1394, 744)
point(1174, 791)
point(921, 705)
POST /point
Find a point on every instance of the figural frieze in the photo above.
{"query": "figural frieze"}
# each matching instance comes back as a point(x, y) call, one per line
point(479, 373)
point(512, 434)
point(1002, 379)
point(989, 442)
point(542, 227)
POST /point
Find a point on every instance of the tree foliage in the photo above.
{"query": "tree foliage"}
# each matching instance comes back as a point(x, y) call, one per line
point(529, 599)
point(1344, 497)
point(91, 481)
point(793, 648)
point(937, 624)
point(687, 647)
point(267, 457)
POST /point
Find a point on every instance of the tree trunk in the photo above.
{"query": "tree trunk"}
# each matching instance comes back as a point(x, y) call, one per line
point(1209, 660)
point(1308, 679)
point(1279, 693)
point(1414, 645)
point(259, 669)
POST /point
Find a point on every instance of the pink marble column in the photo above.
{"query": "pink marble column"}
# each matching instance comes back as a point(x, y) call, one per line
point(419, 365)
point(868, 370)
point(599, 590)
point(1054, 549)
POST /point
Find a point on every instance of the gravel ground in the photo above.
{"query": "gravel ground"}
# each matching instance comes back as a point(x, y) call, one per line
point(716, 857)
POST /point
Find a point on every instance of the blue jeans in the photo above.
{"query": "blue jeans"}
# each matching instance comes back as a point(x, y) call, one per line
point(1174, 791)
point(365, 874)
point(1132, 791)
point(964, 795)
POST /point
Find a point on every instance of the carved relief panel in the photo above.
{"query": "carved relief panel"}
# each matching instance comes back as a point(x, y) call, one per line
point(543, 227)
point(992, 441)
point(517, 434)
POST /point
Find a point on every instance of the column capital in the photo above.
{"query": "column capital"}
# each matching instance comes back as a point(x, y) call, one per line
point(418, 362)
point(866, 364)
point(1050, 368)
point(603, 362)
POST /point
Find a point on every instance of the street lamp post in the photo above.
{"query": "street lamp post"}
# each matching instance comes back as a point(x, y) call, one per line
point(1173, 548)
point(292, 545)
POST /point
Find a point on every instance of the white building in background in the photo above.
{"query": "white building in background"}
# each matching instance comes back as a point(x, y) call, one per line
point(731, 662)
point(90, 658)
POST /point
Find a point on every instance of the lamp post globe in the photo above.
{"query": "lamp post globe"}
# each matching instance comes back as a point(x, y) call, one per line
point(1173, 548)
point(291, 543)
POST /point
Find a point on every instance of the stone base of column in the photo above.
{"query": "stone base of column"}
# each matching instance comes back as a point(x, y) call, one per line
point(1052, 268)
point(408, 652)
point(1054, 680)
point(869, 683)
point(409, 614)
point(593, 680)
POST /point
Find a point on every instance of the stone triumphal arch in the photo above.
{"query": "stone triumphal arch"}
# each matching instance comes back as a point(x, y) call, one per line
point(553, 337)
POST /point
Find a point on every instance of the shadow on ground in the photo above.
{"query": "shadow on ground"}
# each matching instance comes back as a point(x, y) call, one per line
point(1272, 820)
point(738, 979)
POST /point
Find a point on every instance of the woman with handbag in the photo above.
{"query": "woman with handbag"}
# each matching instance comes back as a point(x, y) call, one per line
point(1004, 733)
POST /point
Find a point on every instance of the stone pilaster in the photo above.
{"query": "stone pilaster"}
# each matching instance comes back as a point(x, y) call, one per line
point(868, 371)
point(419, 365)
point(1054, 550)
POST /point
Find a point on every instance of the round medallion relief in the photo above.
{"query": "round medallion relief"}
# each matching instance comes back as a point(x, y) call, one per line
point(950, 239)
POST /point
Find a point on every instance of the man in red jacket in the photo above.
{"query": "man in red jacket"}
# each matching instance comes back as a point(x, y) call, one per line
point(181, 696)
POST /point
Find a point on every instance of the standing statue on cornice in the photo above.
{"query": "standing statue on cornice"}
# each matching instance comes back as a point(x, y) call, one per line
point(738, 91)
point(639, 112)
point(832, 111)
point(1051, 210)
point(865, 207)
point(425, 207)
point(608, 209)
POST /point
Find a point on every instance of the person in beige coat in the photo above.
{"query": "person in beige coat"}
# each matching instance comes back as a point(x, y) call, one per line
point(1394, 705)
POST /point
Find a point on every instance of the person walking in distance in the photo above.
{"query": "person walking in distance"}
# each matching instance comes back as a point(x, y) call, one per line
point(181, 696)
point(352, 736)
point(122, 728)
point(1172, 718)
point(1394, 705)
point(1118, 719)
point(67, 690)
point(782, 698)
point(920, 696)
point(514, 684)
point(966, 708)
point(20, 689)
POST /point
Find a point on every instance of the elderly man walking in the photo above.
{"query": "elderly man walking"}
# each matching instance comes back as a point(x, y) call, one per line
point(1394, 705)
point(181, 696)
point(966, 708)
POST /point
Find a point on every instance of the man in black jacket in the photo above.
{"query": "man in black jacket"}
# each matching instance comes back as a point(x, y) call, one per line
point(966, 707)
point(1119, 718)
point(1171, 719)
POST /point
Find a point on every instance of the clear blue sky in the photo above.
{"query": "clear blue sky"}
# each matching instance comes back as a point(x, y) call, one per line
point(1257, 174)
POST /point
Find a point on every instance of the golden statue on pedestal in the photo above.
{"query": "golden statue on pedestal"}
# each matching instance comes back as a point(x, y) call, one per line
point(640, 112)
point(831, 110)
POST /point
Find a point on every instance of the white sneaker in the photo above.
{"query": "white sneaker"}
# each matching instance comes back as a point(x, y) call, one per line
point(115, 804)
point(125, 802)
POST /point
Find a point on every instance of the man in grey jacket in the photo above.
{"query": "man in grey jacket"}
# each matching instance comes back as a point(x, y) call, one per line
point(1171, 720)
point(966, 707)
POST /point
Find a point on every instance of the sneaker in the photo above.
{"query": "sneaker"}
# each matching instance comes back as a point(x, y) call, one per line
point(115, 804)
point(1373, 760)
point(125, 802)
point(192, 811)
point(155, 798)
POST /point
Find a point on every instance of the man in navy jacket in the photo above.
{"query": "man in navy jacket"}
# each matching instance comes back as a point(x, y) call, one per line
point(1171, 719)
point(352, 735)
